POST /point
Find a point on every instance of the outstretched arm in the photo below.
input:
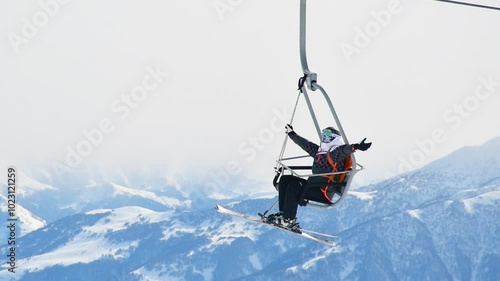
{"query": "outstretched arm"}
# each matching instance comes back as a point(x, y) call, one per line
point(363, 146)
point(308, 146)
point(347, 149)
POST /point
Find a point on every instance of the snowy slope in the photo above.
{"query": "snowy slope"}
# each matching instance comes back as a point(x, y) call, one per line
point(30, 186)
point(29, 221)
point(77, 195)
point(130, 192)
point(91, 242)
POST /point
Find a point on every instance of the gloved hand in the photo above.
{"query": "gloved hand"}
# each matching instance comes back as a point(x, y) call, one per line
point(362, 145)
point(288, 129)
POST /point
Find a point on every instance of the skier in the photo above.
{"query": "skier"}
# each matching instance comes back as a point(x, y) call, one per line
point(292, 190)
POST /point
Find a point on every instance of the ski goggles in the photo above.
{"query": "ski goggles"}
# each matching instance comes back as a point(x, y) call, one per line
point(327, 136)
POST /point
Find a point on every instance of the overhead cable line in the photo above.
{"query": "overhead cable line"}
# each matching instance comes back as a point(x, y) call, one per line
point(470, 4)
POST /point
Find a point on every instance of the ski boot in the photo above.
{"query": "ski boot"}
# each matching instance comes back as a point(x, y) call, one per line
point(276, 218)
point(292, 224)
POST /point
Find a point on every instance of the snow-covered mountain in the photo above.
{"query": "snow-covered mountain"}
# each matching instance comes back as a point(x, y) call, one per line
point(436, 223)
point(28, 220)
point(51, 199)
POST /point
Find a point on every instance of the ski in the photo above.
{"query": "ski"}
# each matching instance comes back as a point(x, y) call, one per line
point(303, 233)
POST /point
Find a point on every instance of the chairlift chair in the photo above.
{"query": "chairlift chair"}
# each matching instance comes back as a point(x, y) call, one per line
point(309, 82)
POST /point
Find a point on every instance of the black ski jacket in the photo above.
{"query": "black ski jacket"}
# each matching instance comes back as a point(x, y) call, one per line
point(320, 164)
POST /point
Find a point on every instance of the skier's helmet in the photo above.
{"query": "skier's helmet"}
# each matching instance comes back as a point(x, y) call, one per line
point(328, 134)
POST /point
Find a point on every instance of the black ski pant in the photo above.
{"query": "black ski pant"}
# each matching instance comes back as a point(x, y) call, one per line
point(290, 191)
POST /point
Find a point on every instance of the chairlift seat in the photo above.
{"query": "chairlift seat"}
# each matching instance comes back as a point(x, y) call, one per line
point(339, 187)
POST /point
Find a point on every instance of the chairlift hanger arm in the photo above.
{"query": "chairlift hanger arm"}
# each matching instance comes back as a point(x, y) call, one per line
point(311, 77)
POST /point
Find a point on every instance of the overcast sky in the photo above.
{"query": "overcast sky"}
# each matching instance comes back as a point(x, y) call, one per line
point(206, 86)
